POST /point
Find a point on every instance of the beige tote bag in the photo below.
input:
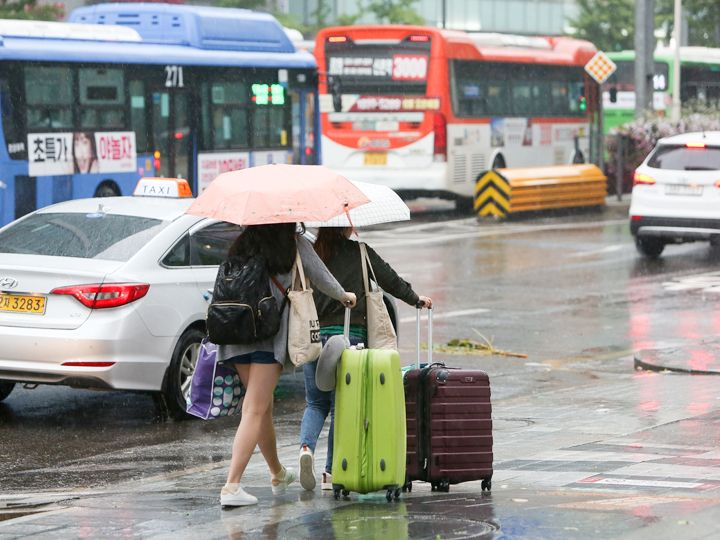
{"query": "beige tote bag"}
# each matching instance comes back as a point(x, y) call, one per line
point(303, 325)
point(381, 333)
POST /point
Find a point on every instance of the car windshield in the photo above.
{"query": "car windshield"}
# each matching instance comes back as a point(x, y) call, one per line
point(682, 158)
point(86, 236)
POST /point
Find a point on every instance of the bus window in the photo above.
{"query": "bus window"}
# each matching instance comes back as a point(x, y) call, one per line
point(102, 98)
point(270, 128)
point(49, 97)
point(225, 115)
point(138, 118)
point(11, 122)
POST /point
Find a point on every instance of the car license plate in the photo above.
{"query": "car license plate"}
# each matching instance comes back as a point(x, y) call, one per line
point(18, 303)
point(683, 189)
point(375, 158)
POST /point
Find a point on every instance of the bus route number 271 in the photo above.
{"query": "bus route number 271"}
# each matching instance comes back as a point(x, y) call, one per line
point(174, 77)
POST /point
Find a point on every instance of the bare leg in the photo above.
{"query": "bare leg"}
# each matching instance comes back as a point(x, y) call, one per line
point(260, 381)
point(267, 441)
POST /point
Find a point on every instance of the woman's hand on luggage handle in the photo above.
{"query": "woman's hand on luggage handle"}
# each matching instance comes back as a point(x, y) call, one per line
point(349, 299)
point(424, 302)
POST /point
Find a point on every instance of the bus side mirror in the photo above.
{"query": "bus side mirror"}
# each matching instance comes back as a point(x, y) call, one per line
point(612, 91)
point(336, 93)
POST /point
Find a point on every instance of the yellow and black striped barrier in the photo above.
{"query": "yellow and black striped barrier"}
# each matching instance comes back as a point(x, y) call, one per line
point(501, 192)
point(492, 195)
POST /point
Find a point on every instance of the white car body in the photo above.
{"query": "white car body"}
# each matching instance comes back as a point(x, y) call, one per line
point(676, 193)
point(129, 347)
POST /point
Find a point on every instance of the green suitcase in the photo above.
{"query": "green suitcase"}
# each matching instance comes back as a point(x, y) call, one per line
point(370, 432)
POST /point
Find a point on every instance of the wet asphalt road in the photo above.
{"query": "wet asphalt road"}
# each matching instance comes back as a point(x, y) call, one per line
point(568, 291)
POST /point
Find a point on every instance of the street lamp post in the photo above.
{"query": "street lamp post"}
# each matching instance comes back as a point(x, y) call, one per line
point(677, 34)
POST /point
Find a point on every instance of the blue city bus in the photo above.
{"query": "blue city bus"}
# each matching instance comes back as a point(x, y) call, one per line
point(127, 90)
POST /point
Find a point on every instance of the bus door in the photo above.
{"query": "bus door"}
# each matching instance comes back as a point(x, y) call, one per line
point(172, 136)
point(304, 126)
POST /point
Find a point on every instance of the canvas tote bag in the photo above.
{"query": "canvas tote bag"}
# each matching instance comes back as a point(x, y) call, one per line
point(381, 333)
point(303, 325)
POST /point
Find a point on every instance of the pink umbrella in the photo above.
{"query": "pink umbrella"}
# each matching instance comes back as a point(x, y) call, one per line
point(277, 194)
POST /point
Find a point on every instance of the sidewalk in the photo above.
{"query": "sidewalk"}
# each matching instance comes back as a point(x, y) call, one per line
point(624, 455)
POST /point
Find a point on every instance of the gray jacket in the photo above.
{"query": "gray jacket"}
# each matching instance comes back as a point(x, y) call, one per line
point(320, 277)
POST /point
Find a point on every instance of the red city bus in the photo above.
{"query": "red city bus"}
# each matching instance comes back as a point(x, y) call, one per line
point(424, 110)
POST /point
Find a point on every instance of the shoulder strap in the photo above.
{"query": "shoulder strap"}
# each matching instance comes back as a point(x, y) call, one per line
point(298, 267)
point(365, 260)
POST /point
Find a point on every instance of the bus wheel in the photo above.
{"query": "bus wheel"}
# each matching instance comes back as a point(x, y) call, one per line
point(498, 162)
point(107, 189)
point(5, 388)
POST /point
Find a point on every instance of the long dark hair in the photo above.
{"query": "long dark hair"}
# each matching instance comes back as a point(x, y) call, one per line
point(275, 243)
point(328, 242)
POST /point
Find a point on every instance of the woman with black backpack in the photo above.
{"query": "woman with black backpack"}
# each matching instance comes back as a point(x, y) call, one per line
point(259, 364)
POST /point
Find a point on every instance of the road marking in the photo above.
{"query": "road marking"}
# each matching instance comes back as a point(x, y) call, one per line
point(707, 282)
point(642, 483)
point(448, 314)
point(601, 251)
point(399, 239)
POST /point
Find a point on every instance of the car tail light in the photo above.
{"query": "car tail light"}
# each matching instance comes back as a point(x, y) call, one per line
point(642, 179)
point(695, 145)
point(337, 39)
point(419, 38)
point(440, 144)
point(108, 295)
point(717, 183)
point(635, 218)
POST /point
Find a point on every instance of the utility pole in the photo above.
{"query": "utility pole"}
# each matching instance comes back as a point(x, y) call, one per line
point(677, 34)
point(644, 49)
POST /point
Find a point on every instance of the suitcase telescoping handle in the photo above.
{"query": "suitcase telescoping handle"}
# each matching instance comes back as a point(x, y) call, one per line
point(430, 336)
point(346, 326)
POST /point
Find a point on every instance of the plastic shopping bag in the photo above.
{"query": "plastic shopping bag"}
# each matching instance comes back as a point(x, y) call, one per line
point(215, 390)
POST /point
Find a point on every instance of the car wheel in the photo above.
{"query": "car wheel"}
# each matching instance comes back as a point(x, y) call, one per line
point(649, 247)
point(107, 189)
point(5, 388)
point(182, 365)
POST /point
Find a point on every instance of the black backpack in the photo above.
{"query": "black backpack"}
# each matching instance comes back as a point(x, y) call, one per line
point(243, 309)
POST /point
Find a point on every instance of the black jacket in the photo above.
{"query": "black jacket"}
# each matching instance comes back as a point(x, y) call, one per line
point(346, 266)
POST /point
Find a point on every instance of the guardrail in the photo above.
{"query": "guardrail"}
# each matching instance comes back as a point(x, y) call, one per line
point(500, 192)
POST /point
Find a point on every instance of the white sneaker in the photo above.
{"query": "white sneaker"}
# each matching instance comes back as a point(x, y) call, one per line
point(326, 482)
point(307, 468)
point(281, 481)
point(237, 498)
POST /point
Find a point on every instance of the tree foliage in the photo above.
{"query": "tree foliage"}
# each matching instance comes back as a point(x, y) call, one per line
point(30, 9)
point(245, 4)
point(703, 21)
point(395, 11)
point(610, 24)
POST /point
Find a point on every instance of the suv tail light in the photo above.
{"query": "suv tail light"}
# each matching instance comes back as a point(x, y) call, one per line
point(440, 143)
point(642, 179)
point(108, 295)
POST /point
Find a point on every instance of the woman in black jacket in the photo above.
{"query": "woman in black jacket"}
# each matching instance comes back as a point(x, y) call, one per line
point(342, 257)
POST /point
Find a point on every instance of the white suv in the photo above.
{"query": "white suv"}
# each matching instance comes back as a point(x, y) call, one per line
point(676, 193)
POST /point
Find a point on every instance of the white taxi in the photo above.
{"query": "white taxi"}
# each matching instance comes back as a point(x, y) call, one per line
point(109, 293)
point(676, 193)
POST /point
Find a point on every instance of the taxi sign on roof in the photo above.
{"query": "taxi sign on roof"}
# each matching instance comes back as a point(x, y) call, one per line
point(600, 67)
point(162, 187)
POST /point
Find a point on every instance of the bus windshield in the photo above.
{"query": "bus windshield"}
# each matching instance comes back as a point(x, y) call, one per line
point(358, 68)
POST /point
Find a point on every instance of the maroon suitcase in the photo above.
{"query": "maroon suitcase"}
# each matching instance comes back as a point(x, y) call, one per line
point(449, 424)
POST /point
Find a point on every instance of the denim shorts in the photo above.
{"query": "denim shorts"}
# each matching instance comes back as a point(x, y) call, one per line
point(257, 357)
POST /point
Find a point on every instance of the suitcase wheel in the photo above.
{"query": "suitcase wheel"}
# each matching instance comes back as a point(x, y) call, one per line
point(486, 485)
point(396, 495)
point(336, 493)
point(441, 485)
point(389, 495)
point(345, 494)
point(407, 487)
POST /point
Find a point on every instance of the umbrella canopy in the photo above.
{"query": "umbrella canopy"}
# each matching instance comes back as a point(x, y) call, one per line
point(385, 206)
point(277, 194)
